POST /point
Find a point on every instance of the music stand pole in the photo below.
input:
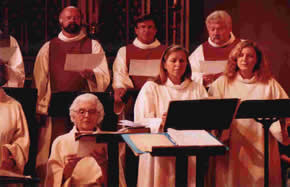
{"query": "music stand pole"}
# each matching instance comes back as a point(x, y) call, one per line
point(266, 122)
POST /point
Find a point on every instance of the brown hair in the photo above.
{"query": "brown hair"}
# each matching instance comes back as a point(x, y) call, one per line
point(261, 69)
point(163, 73)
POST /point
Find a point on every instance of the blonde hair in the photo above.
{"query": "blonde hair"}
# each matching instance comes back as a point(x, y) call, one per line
point(87, 97)
point(261, 69)
point(163, 73)
point(219, 16)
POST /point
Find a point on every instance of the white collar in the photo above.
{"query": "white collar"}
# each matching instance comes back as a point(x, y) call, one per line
point(231, 40)
point(141, 45)
point(181, 86)
point(252, 80)
point(80, 36)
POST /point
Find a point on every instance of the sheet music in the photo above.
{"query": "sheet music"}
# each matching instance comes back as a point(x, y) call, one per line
point(80, 62)
point(193, 138)
point(6, 53)
point(148, 68)
point(87, 145)
point(213, 67)
point(145, 142)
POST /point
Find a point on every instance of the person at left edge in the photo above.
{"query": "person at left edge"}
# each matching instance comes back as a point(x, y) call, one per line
point(50, 77)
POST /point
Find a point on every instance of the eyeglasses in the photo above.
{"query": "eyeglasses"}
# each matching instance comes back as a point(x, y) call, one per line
point(84, 111)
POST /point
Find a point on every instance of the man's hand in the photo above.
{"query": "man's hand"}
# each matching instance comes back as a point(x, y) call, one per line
point(88, 74)
point(210, 78)
point(70, 162)
point(119, 93)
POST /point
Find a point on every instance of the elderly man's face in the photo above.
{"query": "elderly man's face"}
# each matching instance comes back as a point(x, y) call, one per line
point(70, 20)
point(218, 32)
point(86, 116)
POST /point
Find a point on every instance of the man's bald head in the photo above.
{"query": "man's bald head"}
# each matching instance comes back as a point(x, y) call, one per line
point(70, 20)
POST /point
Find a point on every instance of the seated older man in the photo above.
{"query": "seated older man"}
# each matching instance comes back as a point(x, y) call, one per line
point(78, 162)
point(14, 134)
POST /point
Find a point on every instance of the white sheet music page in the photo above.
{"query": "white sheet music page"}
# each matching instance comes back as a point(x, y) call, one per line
point(193, 138)
point(80, 62)
point(213, 67)
point(148, 68)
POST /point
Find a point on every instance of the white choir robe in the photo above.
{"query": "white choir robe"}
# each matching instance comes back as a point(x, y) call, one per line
point(151, 103)
point(14, 133)
point(243, 165)
point(121, 78)
point(197, 56)
point(15, 67)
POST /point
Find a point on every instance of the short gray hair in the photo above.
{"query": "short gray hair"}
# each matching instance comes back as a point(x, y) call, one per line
point(87, 97)
point(219, 15)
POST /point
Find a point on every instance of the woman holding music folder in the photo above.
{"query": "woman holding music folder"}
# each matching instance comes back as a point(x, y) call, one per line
point(151, 106)
point(247, 76)
point(80, 162)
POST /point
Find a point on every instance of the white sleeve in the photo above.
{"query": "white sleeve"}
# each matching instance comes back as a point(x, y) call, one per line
point(121, 77)
point(101, 72)
point(41, 78)
point(146, 106)
point(16, 73)
point(194, 60)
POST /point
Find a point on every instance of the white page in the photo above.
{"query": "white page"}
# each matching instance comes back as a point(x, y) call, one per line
point(6, 53)
point(213, 67)
point(87, 145)
point(148, 68)
point(80, 62)
point(193, 138)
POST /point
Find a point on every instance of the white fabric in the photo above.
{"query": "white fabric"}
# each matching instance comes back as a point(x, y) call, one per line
point(197, 55)
point(15, 67)
point(14, 132)
point(151, 103)
point(121, 77)
point(65, 145)
point(243, 165)
point(42, 79)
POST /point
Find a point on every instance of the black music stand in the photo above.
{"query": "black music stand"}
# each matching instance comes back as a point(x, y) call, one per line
point(265, 112)
point(207, 114)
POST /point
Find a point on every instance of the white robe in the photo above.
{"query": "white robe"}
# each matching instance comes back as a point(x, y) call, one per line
point(197, 56)
point(66, 145)
point(14, 133)
point(243, 165)
point(151, 103)
point(121, 77)
point(15, 67)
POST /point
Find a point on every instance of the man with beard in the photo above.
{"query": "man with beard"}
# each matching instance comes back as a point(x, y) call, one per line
point(220, 43)
point(50, 77)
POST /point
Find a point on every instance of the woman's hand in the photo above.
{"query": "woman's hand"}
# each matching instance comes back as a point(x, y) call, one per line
point(70, 162)
point(162, 125)
point(101, 159)
point(8, 162)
